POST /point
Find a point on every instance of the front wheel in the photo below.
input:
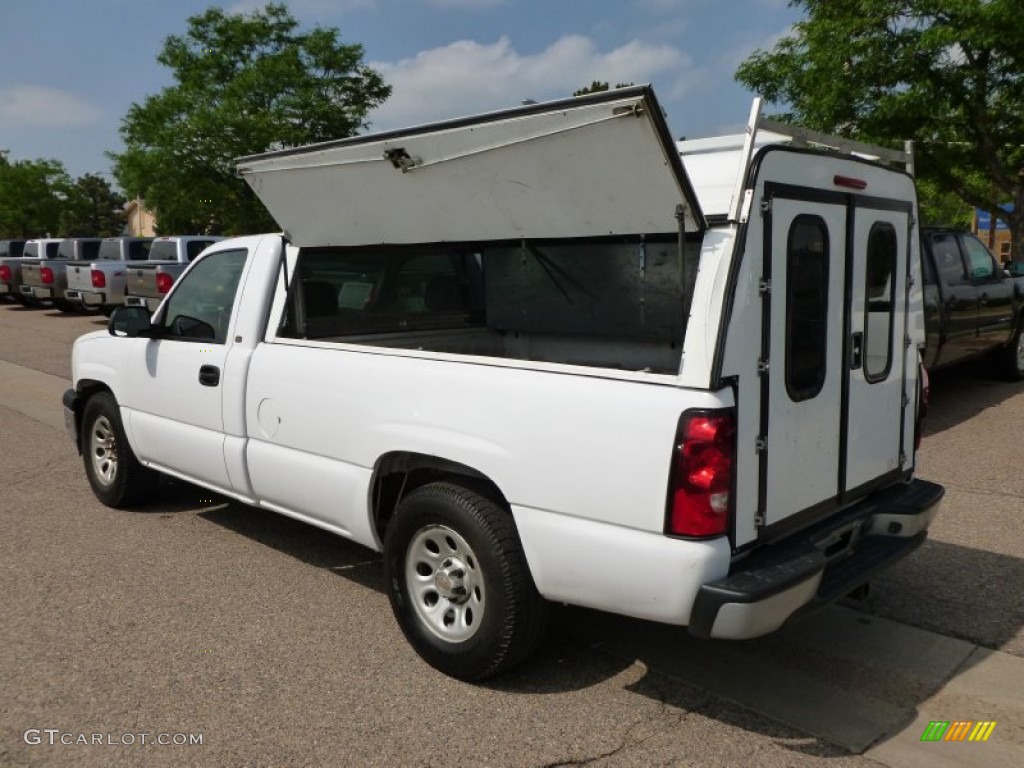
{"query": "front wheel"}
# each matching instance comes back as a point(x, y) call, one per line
point(116, 476)
point(459, 584)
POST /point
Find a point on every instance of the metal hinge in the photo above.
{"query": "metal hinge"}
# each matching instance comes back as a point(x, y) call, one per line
point(764, 286)
point(906, 400)
point(760, 444)
point(766, 206)
point(907, 342)
point(762, 366)
point(903, 458)
point(758, 520)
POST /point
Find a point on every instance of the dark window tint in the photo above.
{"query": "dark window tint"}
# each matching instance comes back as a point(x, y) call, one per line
point(200, 307)
point(982, 263)
point(947, 259)
point(53, 250)
point(806, 306)
point(335, 293)
point(928, 269)
point(879, 307)
point(139, 249)
point(194, 247)
point(66, 250)
point(90, 250)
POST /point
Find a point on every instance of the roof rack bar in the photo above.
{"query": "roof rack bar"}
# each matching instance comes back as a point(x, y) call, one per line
point(799, 136)
point(802, 136)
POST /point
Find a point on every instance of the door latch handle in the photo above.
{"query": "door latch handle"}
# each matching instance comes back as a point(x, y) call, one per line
point(209, 375)
point(856, 350)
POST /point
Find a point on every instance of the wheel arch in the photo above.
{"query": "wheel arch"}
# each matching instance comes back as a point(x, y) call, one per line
point(397, 473)
point(86, 389)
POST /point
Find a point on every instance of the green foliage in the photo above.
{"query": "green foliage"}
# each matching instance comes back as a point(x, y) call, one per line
point(245, 84)
point(945, 73)
point(92, 209)
point(597, 86)
point(31, 197)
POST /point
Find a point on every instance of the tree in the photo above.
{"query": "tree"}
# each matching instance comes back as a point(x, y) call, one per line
point(31, 196)
point(92, 209)
point(597, 86)
point(945, 74)
point(244, 84)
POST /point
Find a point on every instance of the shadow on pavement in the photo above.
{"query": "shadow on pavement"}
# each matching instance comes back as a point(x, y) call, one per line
point(962, 392)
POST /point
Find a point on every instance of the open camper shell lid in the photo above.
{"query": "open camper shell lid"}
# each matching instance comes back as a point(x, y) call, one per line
point(595, 165)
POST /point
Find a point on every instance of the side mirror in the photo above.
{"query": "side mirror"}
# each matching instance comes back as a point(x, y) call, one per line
point(131, 322)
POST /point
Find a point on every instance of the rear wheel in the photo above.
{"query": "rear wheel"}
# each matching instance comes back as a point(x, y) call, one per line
point(64, 306)
point(116, 476)
point(1013, 355)
point(459, 584)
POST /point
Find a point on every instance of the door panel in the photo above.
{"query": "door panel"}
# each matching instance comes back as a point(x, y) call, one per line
point(176, 381)
point(805, 260)
point(874, 409)
point(959, 302)
point(995, 293)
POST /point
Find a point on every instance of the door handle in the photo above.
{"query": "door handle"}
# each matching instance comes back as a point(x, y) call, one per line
point(856, 350)
point(209, 375)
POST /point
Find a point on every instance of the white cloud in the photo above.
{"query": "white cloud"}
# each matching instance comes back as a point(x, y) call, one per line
point(40, 105)
point(468, 77)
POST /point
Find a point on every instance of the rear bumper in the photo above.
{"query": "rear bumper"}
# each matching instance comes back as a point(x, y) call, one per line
point(35, 292)
point(818, 566)
point(5, 288)
point(85, 298)
point(141, 301)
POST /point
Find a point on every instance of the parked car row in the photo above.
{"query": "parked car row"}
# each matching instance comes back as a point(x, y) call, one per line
point(92, 273)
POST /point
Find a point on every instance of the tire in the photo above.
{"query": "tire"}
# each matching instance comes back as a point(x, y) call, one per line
point(116, 476)
point(65, 306)
point(1013, 355)
point(459, 584)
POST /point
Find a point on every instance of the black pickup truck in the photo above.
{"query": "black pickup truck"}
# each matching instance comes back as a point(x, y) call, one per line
point(973, 307)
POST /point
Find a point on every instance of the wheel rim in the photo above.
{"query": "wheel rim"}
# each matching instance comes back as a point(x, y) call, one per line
point(445, 584)
point(103, 451)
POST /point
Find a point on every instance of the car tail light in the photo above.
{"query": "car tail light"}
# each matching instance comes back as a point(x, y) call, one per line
point(164, 282)
point(700, 484)
point(99, 280)
point(922, 406)
point(46, 274)
point(5, 273)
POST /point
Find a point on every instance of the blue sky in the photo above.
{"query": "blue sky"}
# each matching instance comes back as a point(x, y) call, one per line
point(69, 69)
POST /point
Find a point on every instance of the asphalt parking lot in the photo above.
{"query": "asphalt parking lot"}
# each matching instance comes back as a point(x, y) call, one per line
point(274, 643)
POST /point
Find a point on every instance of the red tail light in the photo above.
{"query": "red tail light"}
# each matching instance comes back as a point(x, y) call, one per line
point(99, 280)
point(164, 282)
point(700, 485)
point(46, 274)
point(5, 273)
point(922, 407)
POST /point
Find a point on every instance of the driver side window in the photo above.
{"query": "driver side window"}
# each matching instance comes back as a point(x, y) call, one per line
point(200, 307)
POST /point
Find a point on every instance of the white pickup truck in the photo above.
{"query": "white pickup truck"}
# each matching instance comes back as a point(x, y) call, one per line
point(539, 356)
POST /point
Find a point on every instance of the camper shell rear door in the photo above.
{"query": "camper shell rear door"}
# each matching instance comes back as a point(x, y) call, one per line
point(831, 390)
